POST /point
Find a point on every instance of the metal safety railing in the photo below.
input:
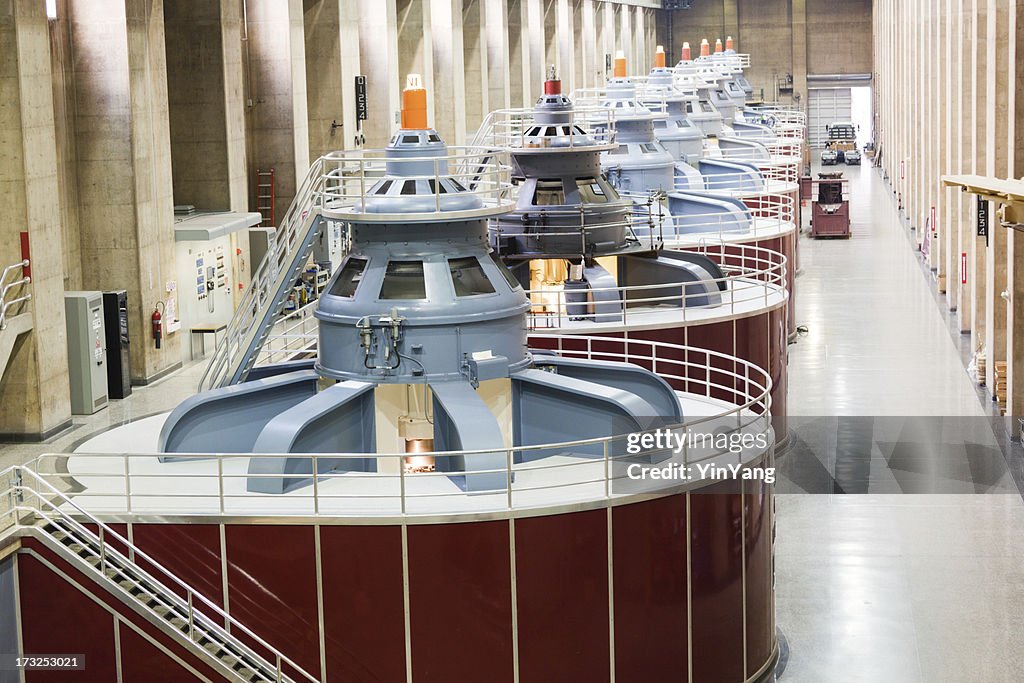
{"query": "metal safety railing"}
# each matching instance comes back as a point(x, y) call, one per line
point(14, 294)
point(36, 507)
point(767, 215)
point(517, 129)
point(641, 223)
point(775, 177)
point(781, 151)
point(293, 336)
point(269, 287)
point(349, 184)
point(735, 396)
point(752, 277)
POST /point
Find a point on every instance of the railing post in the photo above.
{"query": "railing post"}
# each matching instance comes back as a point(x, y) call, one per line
point(278, 657)
point(220, 482)
point(316, 489)
point(437, 189)
point(103, 552)
point(607, 479)
point(191, 618)
point(127, 485)
point(508, 475)
point(401, 484)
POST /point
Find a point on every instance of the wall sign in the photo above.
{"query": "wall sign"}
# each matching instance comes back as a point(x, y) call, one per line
point(983, 218)
point(362, 108)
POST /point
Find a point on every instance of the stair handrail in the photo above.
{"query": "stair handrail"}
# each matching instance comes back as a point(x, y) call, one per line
point(6, 287)
point(100, 538)
point(305, 201)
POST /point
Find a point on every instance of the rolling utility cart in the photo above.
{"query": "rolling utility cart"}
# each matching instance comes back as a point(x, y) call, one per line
point(830, 206)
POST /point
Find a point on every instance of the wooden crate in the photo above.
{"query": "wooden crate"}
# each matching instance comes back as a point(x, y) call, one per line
point(1000, 382)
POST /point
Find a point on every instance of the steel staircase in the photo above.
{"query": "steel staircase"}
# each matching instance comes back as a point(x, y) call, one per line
point(36, 509)
point(270, 285)
point(15, 319)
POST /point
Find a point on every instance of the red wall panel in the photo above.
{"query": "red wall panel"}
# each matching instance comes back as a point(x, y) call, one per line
point(562, 590)
point(272, 587)
point(758, 554)
point(143, 661)
point(57, 618)
point(778, 369)
point(649, 561)
point(716, 585)
point(191, 552)
point(460, 595)
point(364, 611)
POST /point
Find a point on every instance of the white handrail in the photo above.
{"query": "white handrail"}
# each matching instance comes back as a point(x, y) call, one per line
point(257, 294)
point(5, 287)
point(739, 390)
point(751, 273)
point(57, 515)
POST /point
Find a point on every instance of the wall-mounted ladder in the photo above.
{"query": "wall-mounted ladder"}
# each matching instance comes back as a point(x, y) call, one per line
point(264, 196)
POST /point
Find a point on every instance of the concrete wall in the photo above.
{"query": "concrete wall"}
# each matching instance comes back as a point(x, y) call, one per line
point(948, 82)
point(837, 38)
point(34, 388)
point(195, 89)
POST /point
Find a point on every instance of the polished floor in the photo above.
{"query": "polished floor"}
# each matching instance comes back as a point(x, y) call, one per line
point(891, 587)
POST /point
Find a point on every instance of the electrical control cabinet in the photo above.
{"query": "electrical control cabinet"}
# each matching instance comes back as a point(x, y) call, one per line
point(87, 368)
point(115, 314)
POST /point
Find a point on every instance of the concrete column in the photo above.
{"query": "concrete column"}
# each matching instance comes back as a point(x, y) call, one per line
point(332, 63)
point(1015, 316)
point(352, 134)
point(552, 37)
point(533, 56)
point(947, 277)
point(963, 157)
point(499, 66)
point(476, 74)
point(606, 39)
point(124, 164)
point(378, 57)
point(1000, 81)
point(1015, 239)
point(949, 196)
point(207, 114)
point(34, 389)
point(592, 56)
point(924, 141)
point(730, 19)
point(415, 49)
point(278, 113)
point(449, 82)
point(625, 38)
point(566, 39)
point(644, 53)
point(518, 53)
point(979, 161)
point(800, 52)
point(579, 54)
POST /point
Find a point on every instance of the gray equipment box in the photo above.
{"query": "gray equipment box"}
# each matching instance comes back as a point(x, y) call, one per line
point(86, 351)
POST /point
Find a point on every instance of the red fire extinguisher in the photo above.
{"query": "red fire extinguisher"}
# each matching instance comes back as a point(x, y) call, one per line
point(158, 326)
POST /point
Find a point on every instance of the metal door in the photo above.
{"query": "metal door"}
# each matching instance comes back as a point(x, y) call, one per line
point(825, 106)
